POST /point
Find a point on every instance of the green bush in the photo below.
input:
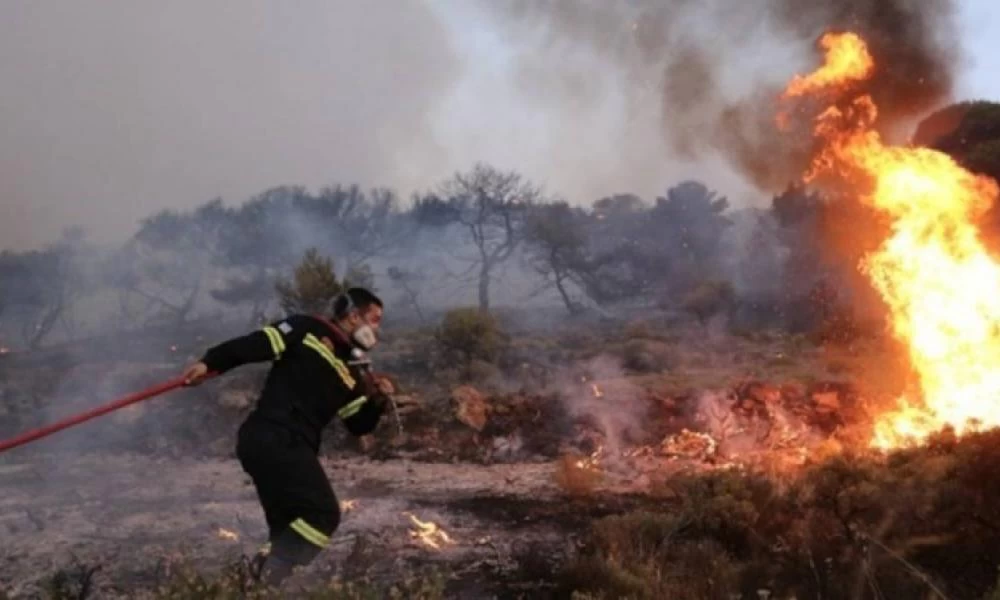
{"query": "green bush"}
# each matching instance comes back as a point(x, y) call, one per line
point(314, 284)
point(467, 335)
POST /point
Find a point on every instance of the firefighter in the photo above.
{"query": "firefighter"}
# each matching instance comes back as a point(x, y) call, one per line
point(318, 372)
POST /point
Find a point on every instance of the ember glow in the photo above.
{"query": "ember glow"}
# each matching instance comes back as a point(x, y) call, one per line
point(227, 534)
point(429, 533)
point(348, 505)
point(935, 275)
point(593, 461)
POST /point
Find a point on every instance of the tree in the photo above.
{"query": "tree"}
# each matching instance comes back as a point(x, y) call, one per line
point(260, 241)
point(970, 133)
point(686, 228)
point(256, 246)
point(314, 284)
point(619, 205)
point(490, 205)
point(270, 232)
point(39, 288)
point(408, 282)
point(556, 241)
point(636, 251)
point(165, 263)
point(349, 223)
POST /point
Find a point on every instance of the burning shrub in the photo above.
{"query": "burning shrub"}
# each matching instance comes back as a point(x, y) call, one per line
point(467, 334)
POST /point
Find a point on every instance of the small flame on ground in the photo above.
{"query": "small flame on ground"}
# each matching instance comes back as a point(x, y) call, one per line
point(690, 444)
point(593, 461)
point(429, 533)
point(227, 534)
point(597, 390)
point(348, 505)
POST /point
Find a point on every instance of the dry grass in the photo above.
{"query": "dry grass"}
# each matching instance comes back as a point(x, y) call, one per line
point(643, 556)
point(233, 583)
point(919, 523)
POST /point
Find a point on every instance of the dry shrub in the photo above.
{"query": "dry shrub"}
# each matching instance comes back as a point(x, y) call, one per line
point(73, 582)
point(917, 523)
point(644, 555)
point(643, 356)
point(638, 330)
point(233, 583)
point(573, 479)
point(708, 299)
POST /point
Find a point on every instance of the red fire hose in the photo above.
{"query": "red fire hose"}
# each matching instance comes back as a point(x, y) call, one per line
point(30, 436)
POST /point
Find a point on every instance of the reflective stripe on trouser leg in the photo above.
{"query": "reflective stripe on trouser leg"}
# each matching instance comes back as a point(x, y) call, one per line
point(310, 533)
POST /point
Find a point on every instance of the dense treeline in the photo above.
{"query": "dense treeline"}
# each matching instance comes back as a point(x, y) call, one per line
point(478, 233)
point(480, 237)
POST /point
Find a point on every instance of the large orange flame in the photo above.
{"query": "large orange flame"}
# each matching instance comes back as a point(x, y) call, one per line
point(847, 60)
point(933, 271)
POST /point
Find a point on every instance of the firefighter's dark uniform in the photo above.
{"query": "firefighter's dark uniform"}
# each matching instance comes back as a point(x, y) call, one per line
point(308, 385)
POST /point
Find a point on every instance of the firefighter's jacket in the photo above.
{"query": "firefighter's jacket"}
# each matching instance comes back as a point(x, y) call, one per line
point(311, 380)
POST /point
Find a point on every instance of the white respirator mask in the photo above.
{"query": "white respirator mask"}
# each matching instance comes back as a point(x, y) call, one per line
point(364, 336)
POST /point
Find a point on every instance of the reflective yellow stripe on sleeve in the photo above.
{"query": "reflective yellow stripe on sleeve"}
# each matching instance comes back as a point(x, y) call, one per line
point(310, 533)
point(277, 341)
point(337, 364)
point(352, 409)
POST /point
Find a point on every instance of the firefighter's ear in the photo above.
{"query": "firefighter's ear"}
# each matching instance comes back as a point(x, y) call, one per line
point(326, 342)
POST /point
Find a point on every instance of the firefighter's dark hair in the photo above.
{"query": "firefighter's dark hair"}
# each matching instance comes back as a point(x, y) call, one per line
point(355, 298)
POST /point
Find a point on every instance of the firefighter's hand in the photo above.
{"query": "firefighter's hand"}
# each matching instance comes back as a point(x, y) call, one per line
point(195, 374)
point(384, 386)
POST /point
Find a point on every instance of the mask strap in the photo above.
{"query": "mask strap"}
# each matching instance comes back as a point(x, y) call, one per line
point(348, 303)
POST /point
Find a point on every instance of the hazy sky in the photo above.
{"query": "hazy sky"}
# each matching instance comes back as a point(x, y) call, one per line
point(113, 109)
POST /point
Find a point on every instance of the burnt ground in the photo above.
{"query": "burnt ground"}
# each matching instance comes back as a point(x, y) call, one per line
point(157, 488)
point(128, 513)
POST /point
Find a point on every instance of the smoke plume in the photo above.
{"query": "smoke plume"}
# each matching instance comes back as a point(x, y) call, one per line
point(716, 69)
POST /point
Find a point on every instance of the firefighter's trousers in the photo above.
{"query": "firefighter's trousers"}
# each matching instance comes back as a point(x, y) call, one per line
point(299, 504)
